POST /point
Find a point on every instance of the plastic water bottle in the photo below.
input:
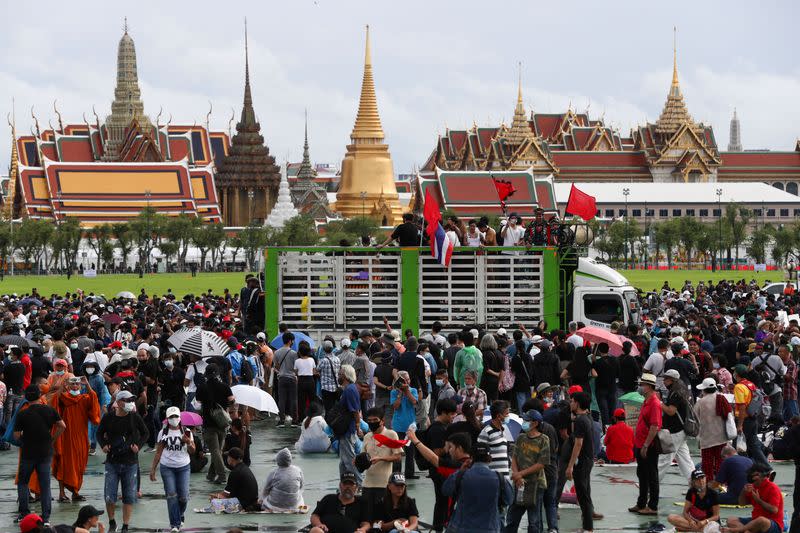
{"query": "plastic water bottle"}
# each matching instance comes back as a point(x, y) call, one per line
point(520, 499)
point(785, 520)
point(413, 426)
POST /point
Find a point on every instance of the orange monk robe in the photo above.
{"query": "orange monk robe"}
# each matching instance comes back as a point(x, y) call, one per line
point(72, 447)
point(55, 385)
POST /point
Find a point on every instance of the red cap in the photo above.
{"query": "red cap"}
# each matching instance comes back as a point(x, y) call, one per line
point(115, 344)
point(30, 522)
point(574, 389)
point(619, 413)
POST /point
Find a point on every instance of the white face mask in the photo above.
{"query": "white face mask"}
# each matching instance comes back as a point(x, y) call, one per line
point(73, 346)
point(129, 407)
point(89, 371)
point(168, 363)
point(174, 422)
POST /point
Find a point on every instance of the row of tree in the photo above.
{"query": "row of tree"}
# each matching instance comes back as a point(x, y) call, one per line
point(695, 241)
point(40, 245)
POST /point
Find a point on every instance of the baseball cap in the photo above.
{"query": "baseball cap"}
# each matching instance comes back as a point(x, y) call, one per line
point(536, 339)
point(345, 342)
point(740, 370)
point(87, 512)
point(532, 416)
point(501, 332)
point(697, 474)
point(672, 373)
point(30, 522)
point(707, 384)
point(260, 335)
point(619, 412)
point(173, 411)
point(575, 388)
point(123, 395)
point(348, 477)
point(397, 479)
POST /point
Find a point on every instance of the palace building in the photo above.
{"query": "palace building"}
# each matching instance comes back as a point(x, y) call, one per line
point(109, 171)
point(573, 147)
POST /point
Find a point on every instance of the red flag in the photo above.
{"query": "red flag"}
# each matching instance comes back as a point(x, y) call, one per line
point(581, 204)
point(504, 190)
point(431, 212)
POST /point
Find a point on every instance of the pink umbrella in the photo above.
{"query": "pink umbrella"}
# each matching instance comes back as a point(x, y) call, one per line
point(597, 335)
point(189, 419)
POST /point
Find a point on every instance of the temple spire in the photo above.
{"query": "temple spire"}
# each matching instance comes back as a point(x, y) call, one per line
point(306, 171)
point(735, 141)
point(248, 113)
point(368, 121)
point(520, 129)
point(674, 114)
point(8, 206)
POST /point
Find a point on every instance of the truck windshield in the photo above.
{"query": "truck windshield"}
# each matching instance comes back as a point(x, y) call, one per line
point(632, 302)
point(603, 308)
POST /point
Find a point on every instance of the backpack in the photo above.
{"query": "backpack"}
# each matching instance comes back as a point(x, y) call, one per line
point(769, 378)
point(758, 407)
point(338, 419)
point(508, 376)
point(691, 426)
point(247, 375)
point(199, 378)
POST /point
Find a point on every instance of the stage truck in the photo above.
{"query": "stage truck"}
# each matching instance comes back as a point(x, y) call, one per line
point(333, 289)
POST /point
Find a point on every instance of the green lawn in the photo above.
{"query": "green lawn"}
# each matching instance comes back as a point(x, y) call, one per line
point(111, 284)
point(181, 284)
point(648, 280)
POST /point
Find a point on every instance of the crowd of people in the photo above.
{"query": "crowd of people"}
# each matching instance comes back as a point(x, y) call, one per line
point(502, 421)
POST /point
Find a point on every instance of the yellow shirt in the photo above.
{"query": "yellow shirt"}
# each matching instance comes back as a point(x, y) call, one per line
point(741, 397)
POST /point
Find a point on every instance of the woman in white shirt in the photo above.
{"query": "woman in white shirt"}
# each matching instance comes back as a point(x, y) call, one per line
point(313, 438)
point(175, 443)
point(473, 236)
point(304, 368)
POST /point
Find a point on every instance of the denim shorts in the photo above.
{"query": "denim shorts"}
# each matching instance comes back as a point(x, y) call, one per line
point(773, 525)
point(120, 473)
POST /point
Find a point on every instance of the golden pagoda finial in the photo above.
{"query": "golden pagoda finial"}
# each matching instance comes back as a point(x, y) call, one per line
point(368, 121)
point(519, 84)
point(674, 56)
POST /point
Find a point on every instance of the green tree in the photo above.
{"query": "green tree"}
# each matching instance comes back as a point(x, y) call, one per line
point(69, 234)
point(98, 238)
point(6, 246)
point(235, 244)
point(351, 230)
point(31, 239)
point(736, 219)
point(666, 237)
point(615, 240)
point(786, 240)
point(252, 240)
point(688, 229)
point(299, 231)
point(125, 240)
point(107, 254)
point(706, 241)
point(179, 230)
point(207, 237)
point(170, 249)
point(758, 242)
point(147, 230)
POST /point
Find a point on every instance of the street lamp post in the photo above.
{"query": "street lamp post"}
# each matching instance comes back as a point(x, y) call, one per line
point(646, 235)
point(719, 225)
point(625, 192)
point(250, 195)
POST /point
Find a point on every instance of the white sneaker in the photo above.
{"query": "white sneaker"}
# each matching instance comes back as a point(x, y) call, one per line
point(175, 530)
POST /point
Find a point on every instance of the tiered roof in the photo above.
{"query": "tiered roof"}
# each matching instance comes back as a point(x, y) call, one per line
point(309, 195)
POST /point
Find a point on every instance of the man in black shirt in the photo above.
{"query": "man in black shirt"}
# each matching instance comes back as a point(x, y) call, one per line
point(674, 411)
point(121, 434)
point(212, 394)
point(406, 234)
point(148, 374)
point(436, 437)
point(242, 487)
point(13, 374)
point(629, 371)
point(581, 461)
point(607, 369)
point(341, 513)
point(32, 428)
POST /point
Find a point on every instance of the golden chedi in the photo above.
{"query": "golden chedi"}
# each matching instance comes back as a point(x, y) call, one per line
point(367, 183)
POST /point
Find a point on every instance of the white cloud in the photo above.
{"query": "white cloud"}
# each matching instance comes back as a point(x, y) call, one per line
point(436, 65)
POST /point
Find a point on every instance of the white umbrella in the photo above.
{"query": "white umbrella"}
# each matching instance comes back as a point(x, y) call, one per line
point(254, 397)
point(198, 341)
point(512, 429)
point(126, 294)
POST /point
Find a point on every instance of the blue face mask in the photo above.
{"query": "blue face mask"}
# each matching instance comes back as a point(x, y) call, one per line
point(440, 383)
point(75, 392)
point(526, 426)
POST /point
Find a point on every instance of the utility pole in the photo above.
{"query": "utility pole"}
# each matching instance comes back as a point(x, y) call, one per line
point(719, 224)
point(625, 192)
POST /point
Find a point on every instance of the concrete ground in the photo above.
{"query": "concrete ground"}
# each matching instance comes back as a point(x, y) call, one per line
point(613, 491)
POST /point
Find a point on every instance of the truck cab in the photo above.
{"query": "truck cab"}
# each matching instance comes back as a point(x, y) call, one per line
point(601, 295)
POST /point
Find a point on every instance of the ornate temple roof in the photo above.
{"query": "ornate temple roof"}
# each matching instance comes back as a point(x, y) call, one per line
point(283, 209)
point(520, 130)
point(308, 194)
point(675, 114)
point(248, 163)
point(368, 121)
point(735, 139)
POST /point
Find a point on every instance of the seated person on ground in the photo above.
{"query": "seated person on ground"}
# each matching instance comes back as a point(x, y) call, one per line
point(241, 492)
point(397, 507)
point(341, 513)
point(283, 490)
point(700, 508)
point(767, 502)
point(618, 441)
point(733, 474)
point(313, 431)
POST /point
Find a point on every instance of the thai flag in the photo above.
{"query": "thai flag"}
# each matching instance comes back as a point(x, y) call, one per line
point(441, 246)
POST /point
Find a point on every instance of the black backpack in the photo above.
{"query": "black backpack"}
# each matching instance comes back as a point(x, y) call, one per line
point(199, 378)
point(247, 374)
point(338, 419)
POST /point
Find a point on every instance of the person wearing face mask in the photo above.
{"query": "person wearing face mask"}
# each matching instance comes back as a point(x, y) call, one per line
point(493, 436)
point(173, 458)
point(647, 427)
point(57, 380)
point(77, 355)
point(171, 380)
point(445, 390)
point(96, 382)
point(77, 407)
point(121, 435)
point(471, 393)
point(382, 459)
point(531, 456)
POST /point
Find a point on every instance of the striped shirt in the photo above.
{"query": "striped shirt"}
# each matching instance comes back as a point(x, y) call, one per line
point(498, 448)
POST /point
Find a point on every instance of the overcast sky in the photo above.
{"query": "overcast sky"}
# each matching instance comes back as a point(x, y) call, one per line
point(437, 64)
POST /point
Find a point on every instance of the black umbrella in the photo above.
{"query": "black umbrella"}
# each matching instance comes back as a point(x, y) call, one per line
point(16, 340)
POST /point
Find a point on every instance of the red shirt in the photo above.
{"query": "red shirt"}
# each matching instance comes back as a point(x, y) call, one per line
point(650, 415)
point(770, 493)
point(26, 362)
point(619, 443)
